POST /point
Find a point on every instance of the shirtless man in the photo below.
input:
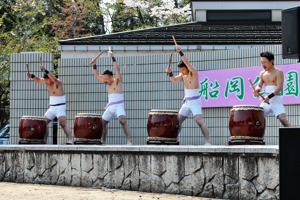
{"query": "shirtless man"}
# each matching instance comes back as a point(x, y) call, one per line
point(115, 106)
point(57, 101)
point(273, 79)
point(192, 102)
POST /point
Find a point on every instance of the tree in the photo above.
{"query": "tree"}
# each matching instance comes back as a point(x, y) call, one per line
point(23, 27)
point(77, 19)
point(172, 12)
point(136, 14)
point(34, 25)
point(4, 90)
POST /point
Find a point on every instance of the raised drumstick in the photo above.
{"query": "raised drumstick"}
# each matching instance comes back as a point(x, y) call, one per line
point(109, 48)
point(169, 64)
point(41, 60)
point(174, 39)
point(98, 56)
point(27, 68)
point(254, 89)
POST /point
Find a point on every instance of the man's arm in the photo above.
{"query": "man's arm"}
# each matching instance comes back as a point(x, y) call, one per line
point(172, 78)
point(185, 60)
point(176, 78)
point(50, 75)
point(95, 71)
point(117, 69)
point(36, 79)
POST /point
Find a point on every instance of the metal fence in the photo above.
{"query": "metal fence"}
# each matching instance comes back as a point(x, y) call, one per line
point(146, 87)
point(26, 96)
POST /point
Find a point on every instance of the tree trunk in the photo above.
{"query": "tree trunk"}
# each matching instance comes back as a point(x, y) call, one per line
point(176, 3)
point(140, 16)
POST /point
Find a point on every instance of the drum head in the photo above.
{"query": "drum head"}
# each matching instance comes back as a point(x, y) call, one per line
point(163, 112)
point(33, 118)
point(92, 115)
point(247, 107)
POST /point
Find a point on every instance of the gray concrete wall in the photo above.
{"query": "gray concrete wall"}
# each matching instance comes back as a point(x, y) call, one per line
point(215, 172)
point(147, 87)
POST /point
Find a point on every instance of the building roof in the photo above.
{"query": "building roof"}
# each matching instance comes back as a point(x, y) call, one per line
point(193, 33)
point(238, 0)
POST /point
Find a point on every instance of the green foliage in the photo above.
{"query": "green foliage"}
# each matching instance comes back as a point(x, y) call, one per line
point(77, 19)
point(4, 89)
point(36, 26)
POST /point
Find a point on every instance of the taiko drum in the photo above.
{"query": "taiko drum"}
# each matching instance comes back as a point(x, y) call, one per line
point(88, 126)
point(163, 124)
point(247, 123)
point(32, 128)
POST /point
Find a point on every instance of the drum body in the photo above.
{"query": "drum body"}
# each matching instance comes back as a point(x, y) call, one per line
point(163, 125)
point(247, 123)
point(88, 126)
point(32, 128)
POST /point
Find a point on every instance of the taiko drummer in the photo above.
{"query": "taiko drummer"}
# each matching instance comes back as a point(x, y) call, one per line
point(57, 101)
point(192, 102)
point(115, 106)
point(273, 79)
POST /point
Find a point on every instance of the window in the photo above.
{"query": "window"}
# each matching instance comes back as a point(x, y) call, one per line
point(239, 15)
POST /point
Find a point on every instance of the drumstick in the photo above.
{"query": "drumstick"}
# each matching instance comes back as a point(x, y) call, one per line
point(254, 89)
point(98, 56)
point(109, 48)
point(169, 64)
point(174, 39)
point(27, 68)
point(41, 60)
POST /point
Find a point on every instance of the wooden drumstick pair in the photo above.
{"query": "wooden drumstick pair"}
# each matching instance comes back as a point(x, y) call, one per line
point(101, 54)
point(97, 56)
point(109, 49)
point(171, 54)
point(169, 64)
point(40, 64)
point(28, 67)
point(254, 89)
point(174, 39)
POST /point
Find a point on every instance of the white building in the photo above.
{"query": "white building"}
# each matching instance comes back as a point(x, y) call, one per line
point(217, 25)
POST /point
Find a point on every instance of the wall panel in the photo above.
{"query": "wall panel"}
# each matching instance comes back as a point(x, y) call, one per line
point(147, 87)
